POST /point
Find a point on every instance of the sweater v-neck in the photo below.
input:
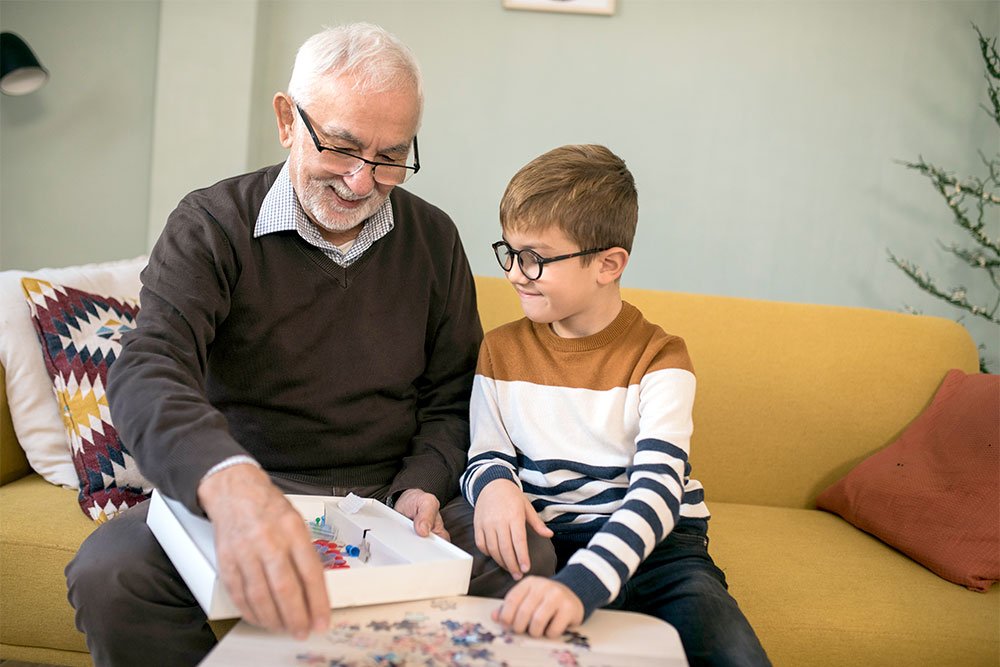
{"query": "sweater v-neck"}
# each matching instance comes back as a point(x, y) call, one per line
point(343, 275)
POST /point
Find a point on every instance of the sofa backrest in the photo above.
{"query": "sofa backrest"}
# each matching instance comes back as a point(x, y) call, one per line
point(13, 462)
point(790, 396)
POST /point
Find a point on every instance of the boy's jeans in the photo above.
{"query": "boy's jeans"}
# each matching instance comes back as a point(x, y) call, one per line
point(680, 584)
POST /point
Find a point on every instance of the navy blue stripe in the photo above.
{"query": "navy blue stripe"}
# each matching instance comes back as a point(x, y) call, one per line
point(648, 515)
point(694, 497)
point(602, 498)
point(628, 536)
point(662, 446)
point(669, 472)
point(562, 487)
point(657, 487)
point(554, 465)
point(621, 569)
point(655, 468)
point(591, 591)
point(491, 474)
point(673, 504)
point(561, 524)
point(490, 455)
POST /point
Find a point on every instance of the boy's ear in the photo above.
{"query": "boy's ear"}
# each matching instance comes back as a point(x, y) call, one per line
point(612, 264)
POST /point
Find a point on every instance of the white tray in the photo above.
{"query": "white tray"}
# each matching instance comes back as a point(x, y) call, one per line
point(403, 566)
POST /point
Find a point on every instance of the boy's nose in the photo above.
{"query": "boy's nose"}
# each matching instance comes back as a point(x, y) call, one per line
point(515, 275)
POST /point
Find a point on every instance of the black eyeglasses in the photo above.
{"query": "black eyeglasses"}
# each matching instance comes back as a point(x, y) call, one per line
point(531, 262)
point(345, 163)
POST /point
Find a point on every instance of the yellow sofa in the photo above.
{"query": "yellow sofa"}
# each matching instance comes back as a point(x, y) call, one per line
point(790, 398)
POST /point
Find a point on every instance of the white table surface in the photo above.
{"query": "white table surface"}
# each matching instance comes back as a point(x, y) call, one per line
point(454, 631)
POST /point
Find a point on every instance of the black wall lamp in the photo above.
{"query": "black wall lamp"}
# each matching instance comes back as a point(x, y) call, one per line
point(20, 71)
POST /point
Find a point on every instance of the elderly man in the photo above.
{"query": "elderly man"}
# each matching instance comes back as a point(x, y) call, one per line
point(305, 328)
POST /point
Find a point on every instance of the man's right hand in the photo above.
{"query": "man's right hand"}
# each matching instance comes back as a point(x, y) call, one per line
point(502, 511)
point(265, 553)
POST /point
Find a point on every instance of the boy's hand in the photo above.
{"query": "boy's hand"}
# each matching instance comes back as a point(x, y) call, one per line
point(540, 607)
point(501, 514)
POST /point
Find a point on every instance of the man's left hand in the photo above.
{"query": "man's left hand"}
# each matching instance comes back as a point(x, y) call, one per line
point(424, 510)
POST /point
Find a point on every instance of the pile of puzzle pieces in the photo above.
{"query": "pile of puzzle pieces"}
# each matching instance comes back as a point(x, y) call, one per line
point(333, 555)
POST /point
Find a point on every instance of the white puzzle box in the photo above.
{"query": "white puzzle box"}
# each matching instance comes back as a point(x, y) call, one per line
point(371, 554)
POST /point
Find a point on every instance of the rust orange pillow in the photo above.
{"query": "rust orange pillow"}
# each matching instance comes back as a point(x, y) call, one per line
point(934, 493)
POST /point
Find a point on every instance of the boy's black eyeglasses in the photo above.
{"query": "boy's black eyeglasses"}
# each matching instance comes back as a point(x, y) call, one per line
point(531, 262)
point(345, 163)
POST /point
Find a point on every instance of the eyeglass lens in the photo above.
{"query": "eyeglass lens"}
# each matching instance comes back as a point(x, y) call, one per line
point(343, 163)
point(526, 259)
point(346, 165)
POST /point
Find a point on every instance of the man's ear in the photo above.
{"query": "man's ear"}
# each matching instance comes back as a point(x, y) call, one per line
point(284, 112)
point(612, 264)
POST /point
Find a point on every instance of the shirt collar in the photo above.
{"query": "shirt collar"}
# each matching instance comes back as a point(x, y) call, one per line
point(281, 212)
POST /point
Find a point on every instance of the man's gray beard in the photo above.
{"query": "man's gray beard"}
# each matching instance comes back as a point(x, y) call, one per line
point(316, 203)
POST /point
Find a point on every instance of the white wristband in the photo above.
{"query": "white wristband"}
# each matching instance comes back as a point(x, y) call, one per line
point(239, 459)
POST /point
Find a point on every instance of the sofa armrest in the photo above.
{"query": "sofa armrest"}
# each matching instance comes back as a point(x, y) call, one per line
point(13, 463)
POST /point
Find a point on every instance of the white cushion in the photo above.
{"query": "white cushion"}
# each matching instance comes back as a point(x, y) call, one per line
point(33, 407)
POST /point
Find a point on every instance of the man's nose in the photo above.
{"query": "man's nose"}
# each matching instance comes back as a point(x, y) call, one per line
point(362, 182)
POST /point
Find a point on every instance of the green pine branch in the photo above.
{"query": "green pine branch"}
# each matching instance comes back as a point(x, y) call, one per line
point(969, 200)
point(955, 192)
point(956, 297)
point(991, 59)
point(976, 259)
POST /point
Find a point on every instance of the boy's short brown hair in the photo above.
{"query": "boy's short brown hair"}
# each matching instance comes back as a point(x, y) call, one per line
point(585, 190)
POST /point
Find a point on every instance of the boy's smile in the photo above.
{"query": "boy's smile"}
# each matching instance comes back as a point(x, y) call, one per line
point(573, 299)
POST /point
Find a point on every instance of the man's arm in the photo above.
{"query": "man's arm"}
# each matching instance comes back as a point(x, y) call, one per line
point(156, 387)
point(158, 401)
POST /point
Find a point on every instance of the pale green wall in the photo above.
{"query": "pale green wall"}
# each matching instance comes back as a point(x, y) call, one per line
point(203, 81)
point(75, 156)
point(763, 135)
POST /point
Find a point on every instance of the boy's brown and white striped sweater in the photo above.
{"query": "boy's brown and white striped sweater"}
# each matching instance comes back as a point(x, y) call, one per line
point(596, 432)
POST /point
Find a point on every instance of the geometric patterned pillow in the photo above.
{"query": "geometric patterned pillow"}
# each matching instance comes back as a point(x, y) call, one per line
point(79, 334)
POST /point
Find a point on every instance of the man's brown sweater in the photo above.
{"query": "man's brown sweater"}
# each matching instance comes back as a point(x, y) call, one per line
point(335, 376)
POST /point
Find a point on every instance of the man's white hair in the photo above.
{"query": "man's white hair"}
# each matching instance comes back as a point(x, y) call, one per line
point(376, 58)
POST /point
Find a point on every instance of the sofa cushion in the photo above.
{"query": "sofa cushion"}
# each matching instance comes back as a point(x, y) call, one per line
point(40, 533)
point(818, 591)
point(33, 410)
point(934, 493)
point(79, 334)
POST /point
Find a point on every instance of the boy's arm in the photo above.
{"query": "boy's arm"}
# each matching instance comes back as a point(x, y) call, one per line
point(652, 503)
point(491, 482)
point(491, 453)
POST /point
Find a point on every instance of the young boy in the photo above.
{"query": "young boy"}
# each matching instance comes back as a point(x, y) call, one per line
point(581, 422)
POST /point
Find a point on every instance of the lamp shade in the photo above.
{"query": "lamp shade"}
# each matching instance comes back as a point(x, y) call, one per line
point(20, 71)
